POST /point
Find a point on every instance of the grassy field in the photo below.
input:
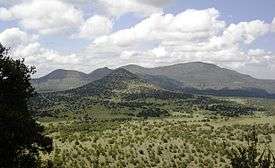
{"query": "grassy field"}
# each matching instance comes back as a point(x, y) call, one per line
point(184, 139)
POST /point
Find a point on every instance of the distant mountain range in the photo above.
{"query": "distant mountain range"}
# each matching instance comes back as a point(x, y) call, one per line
point(60, 79)
point(119, 84)
point(195, 78)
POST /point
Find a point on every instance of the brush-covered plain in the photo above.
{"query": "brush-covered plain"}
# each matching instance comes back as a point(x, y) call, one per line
point(192, 132)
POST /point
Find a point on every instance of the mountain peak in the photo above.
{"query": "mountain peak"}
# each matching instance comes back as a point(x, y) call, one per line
point(101, 70)
point(99, 73)
point(121, 73)
point(62, 74)
point(195, 65)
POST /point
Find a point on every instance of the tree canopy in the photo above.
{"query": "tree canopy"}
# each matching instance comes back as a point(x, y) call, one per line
point(21, 137)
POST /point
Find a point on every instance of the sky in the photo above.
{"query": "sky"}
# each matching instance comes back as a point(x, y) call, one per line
point(88, 34)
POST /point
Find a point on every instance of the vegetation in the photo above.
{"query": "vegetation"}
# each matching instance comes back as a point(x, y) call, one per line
point(21, 137)
point(252, 155)
point(153, 112)
point(124, 121)
point(195, 131)
point(150, 143)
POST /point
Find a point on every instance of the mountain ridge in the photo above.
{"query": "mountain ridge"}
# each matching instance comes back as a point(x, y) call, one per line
point(206, 76)
point(118, 81)
point(60, 79)
point(181, 77)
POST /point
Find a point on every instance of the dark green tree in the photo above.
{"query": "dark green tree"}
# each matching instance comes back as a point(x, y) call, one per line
point(21, 137)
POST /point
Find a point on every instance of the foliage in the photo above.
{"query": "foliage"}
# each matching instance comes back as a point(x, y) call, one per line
point(251, 156)
point(147, 143)
point(153, 112)
point(21, 137)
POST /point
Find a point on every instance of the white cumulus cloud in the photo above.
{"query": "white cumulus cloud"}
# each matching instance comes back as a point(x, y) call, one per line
point(14, 37)
point(190, 25)
point(24, 45)
point(192, 35)
point(117, 8)
point(246, 32)
point(96, 26)
point(47, 17)
point(156, 2)
point(158, 39)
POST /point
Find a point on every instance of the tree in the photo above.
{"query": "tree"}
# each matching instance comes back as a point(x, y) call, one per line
point(21, 137)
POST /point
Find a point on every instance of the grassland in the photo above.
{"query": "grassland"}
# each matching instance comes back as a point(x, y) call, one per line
point(105, 136)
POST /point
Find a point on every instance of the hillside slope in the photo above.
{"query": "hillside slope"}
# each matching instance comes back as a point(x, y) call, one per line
point(206, 76)
point(60, 80)
point(119, 84)
point(195, 78)
point(118, 81)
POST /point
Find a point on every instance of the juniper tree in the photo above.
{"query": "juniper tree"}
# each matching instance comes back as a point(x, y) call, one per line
point(21, 137)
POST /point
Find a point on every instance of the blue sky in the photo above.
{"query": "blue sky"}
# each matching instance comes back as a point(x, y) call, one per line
point(85, 35)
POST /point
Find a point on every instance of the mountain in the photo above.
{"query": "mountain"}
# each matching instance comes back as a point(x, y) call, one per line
point(119, 84)
point(119, 81)
point(203, 76)
point(194, 78)
point(60, 79)
point(163, 82)
point(98, 74)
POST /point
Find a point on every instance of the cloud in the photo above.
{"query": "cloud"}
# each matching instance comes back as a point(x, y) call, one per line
point(96, 26)
point(65, 16)
point(158, 3)
point(24, 45)
point(7, 3)
point(5, 14)
point(159, 39)
point(47, 17)
point(260, 64)
point(191, 25)
point(273, 25)
point(246, 32)
point(45, 60)
point(35, 53)
point(192, 35)
point(14, 37)
point(117, 8)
